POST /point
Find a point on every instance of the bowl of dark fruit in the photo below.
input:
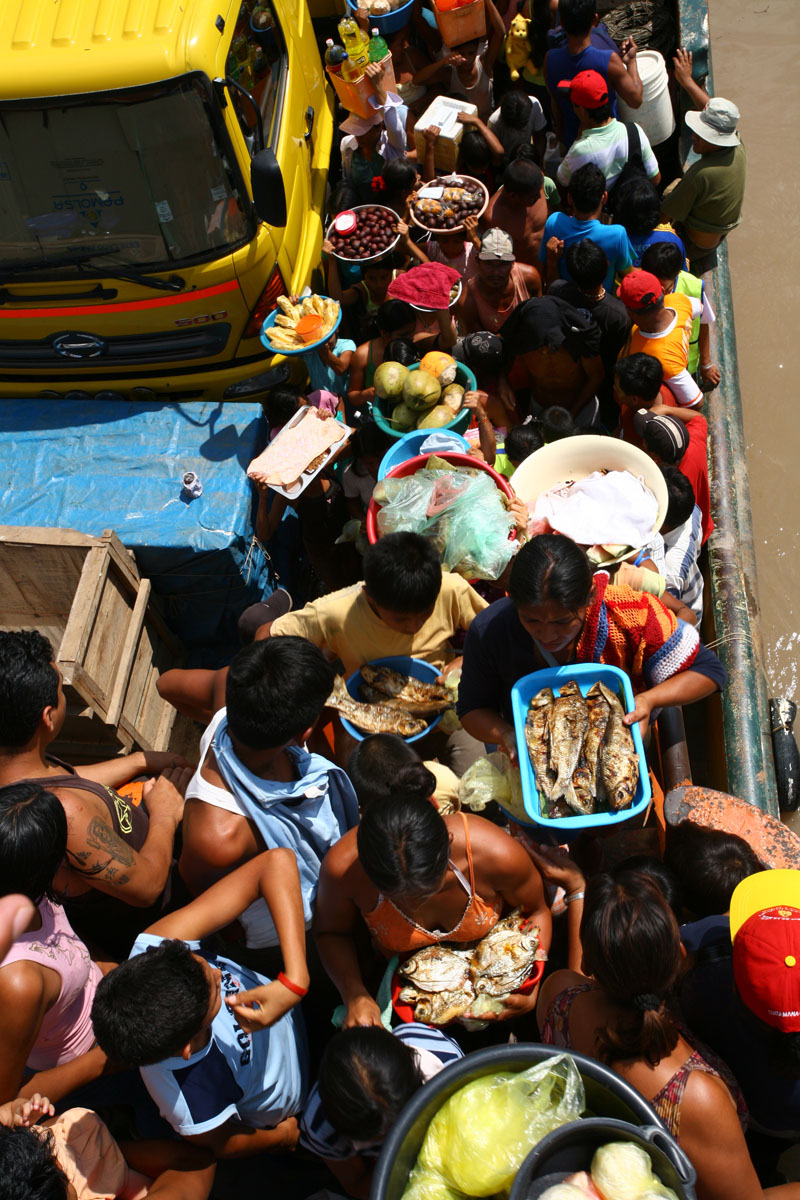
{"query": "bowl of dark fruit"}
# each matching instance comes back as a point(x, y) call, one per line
point(443, 204)
point(363, 233)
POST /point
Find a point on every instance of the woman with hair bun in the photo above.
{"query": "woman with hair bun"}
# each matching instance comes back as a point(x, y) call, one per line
point(617, 1009)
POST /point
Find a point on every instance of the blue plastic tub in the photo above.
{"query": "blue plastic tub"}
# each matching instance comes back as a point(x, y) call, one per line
point(398, 662)
point(389, 22)
point(410, 444)
point(584, 674)
point(381, 409)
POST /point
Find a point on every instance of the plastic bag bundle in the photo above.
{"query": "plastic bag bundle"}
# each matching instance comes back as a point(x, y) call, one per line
point(479, 1138)
point(493, 778)
point(461, 511)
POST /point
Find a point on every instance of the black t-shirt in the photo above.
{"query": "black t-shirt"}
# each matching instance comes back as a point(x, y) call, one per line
point(609, 314)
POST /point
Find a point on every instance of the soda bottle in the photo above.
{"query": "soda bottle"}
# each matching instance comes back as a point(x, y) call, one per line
point(349, 72)
point(334, 56)
point(378, 49)
point(356, 43)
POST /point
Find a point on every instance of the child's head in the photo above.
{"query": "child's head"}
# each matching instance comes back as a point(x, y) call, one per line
point(587, 264)
point(451, 244)
point(281, 404)
point(384, 765)
point(275, 691)
point(396, 318)
point(404, 847)
point(401, 350)
point(474, 153)
point(366, 1076)
point(709, 864)
point(521, 441)
point(400, 177)
point(587, 188)
point(577, 16)
point(681, 500)
point(637, 206)
point(378, 275)
point(665, 261)
point(369, 446)
point(468, 51)
point(29, 1168)
point(33, 840)
point(402, 578)
point(658, 873)
point(522, 183)
point(483, 353)
point(515, 110)
point(556, 423)
point(154, 1005)
point(637, 381)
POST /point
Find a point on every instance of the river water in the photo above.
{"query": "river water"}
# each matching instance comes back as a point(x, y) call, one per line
point(755, 49)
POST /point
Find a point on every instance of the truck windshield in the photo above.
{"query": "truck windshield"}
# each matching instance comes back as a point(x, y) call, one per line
point(143, 177)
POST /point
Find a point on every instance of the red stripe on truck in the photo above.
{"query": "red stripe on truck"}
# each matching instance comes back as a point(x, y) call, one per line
point(89, 310)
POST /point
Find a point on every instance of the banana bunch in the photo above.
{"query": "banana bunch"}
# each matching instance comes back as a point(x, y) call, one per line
point(282, 334)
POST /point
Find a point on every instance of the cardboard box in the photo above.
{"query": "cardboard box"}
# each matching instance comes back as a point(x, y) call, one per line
point(443, 112)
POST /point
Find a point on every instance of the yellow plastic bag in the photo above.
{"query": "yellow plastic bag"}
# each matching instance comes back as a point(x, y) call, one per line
point(480, 1136)
point(493, 778)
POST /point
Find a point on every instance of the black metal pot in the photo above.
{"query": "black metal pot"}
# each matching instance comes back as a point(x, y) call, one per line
point(571, 1148)
point(606, 1094)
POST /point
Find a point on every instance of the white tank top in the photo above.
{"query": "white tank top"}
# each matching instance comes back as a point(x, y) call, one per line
point(256, 920)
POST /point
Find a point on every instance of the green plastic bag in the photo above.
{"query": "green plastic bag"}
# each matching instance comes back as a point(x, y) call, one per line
point(479, 1137)
point(493, 777)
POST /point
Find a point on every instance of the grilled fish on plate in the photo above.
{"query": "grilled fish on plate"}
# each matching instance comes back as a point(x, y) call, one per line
point(373, 718)
point(504, 958)
point(437, 968)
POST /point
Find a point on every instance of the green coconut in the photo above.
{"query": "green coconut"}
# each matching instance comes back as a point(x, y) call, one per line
point(453, 397)
point(436, 418)
point(389, 379)
point(421, 390)
point(403, 417)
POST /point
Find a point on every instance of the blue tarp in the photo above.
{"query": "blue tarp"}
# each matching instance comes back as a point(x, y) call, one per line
point(91, 466)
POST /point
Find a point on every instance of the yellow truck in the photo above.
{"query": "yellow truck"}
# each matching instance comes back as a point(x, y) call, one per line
point(163, 166)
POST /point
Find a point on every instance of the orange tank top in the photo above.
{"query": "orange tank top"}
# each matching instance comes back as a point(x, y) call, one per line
point(396, 933)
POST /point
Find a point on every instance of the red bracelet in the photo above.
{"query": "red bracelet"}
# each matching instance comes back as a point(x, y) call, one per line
point(293, 987)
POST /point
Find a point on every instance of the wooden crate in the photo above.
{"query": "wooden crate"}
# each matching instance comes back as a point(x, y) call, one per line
point(85, 594)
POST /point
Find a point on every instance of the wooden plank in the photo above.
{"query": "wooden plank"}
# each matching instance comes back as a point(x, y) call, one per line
point(108, 631)
point(128, 651)
point(40, 535)
point(84, 608)
point(39, 580)
point(122, 557)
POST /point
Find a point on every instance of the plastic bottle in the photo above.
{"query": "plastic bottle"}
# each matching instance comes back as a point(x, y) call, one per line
point(334, 56)
point(192, 485)
point(378, 50)
point(356, 43)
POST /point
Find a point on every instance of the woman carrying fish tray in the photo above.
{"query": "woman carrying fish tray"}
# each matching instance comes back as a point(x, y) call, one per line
point(558, 612)
point(418, 879)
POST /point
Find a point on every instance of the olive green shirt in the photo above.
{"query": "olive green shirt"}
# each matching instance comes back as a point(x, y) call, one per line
point(710, 195)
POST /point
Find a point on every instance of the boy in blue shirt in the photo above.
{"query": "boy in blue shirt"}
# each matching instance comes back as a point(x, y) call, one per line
point(221, 1049)
point(587, 195)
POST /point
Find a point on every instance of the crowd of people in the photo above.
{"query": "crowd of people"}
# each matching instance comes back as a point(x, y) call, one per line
point(196, 951)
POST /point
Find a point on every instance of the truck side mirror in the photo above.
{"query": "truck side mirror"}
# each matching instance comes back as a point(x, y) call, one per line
point(269, 193)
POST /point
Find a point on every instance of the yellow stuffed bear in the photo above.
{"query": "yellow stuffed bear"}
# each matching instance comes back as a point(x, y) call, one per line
point(518, 48)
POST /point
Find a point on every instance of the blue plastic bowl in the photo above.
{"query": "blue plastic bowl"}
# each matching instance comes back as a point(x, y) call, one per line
point(269, 321)
point(389, 22)
point(409, 666)
point(409, 447)
point(381, 409)
point(584, 674)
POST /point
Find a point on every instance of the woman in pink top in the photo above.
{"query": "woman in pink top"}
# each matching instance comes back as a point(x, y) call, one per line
point(48, 978)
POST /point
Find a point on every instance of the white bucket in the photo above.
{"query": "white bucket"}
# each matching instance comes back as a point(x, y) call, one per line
point(655, 115)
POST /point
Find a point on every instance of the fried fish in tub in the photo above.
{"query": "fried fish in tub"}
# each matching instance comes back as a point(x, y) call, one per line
point(439, 1008)
point(599, 716)
point(619, 762)
point(537, 739)
point(568, 725)
point(405, 687)
point(504, 958)
point(373, 718)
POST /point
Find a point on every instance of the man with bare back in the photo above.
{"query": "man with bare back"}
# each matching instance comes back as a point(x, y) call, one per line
point(119, 851)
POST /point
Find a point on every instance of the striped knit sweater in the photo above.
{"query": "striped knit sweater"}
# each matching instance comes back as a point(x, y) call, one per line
point(634, 631)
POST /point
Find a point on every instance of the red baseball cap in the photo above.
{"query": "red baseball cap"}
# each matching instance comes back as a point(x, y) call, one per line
point(639, 290)
point(587, 88)
point(765, 928)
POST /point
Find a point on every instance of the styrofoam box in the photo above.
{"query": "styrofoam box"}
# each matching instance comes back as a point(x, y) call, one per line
point(443, 112)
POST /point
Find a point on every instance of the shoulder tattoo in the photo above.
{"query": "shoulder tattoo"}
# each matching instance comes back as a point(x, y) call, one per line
point(100, 836)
